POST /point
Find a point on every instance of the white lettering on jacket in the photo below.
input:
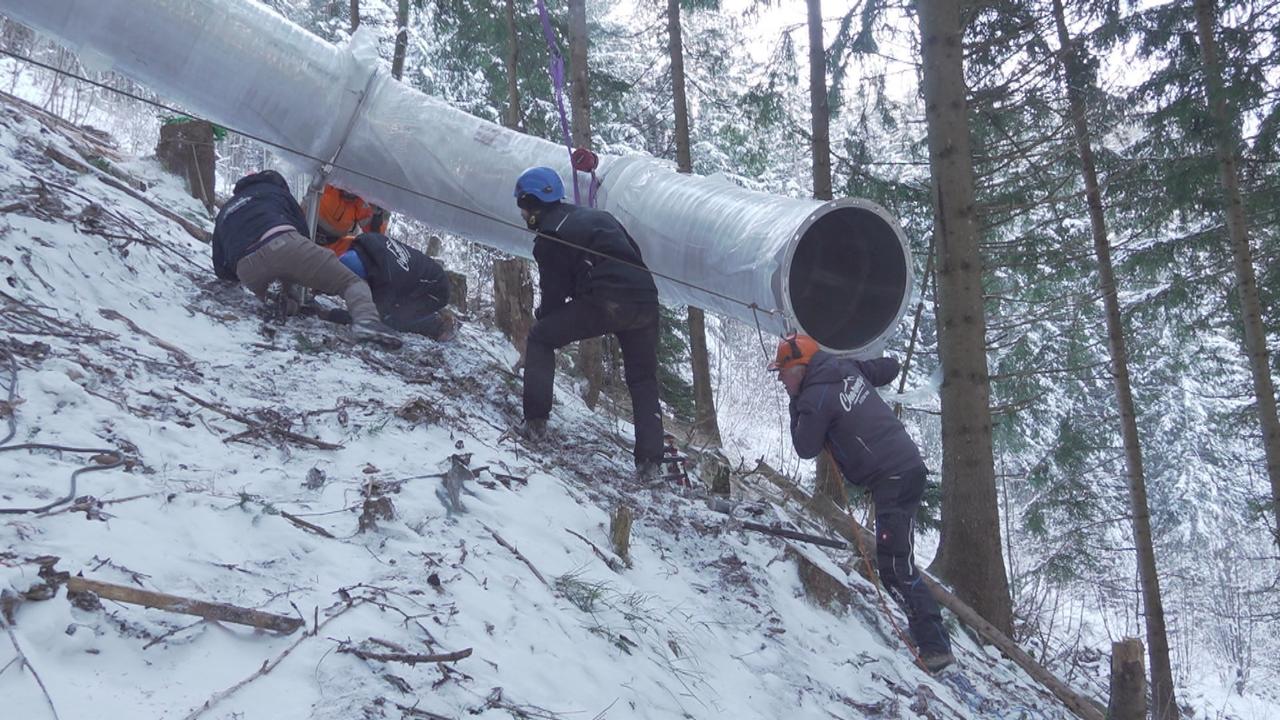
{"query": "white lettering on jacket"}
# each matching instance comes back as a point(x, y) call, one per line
point(855, 391)
point(399, 253)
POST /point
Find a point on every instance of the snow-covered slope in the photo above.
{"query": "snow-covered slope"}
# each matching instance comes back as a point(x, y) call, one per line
point(122, 338)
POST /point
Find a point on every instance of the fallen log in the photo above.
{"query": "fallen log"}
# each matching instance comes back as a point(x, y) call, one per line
point(843, 524)
point(174, 603)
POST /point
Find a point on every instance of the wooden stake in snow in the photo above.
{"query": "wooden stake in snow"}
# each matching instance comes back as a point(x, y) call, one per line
point(620, 533)
point(174, 603)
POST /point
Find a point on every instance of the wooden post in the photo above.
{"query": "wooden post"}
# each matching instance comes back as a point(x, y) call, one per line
point(1128, 681)
point(620, 533)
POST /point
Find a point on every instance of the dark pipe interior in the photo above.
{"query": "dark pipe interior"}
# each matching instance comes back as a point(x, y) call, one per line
point(847, 278)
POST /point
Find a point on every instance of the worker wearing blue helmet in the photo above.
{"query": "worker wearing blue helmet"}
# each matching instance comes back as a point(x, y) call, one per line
point(594, 282)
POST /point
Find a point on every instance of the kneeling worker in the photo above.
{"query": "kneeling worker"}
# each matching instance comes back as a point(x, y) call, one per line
point(260, 237)
point(585, 295)
point(409, 288)
point(834, 405)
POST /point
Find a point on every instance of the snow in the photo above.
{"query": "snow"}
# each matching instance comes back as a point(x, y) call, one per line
point(707, 622)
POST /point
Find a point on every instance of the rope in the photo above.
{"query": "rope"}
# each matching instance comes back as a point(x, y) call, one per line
point(759, 331)
point(555, 69)
point(11, 412)
point(416, 193)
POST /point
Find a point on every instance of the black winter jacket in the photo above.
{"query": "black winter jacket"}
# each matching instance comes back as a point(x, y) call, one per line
point(405, 283)
point(567, 272)
point(838, 407)
point(261, 201)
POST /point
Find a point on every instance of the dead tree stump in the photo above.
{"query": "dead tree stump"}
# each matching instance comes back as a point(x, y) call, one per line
point(186, 149)
point(457, 290)
point(1128, 681)
point(720, 473)
point(820, 586)
point(513, 300)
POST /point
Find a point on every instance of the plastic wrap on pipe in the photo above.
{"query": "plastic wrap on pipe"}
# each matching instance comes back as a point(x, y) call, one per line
point(839, 271)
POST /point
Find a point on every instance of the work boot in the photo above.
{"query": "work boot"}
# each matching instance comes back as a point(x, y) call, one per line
point(937, 661)
point(376, 332)
point(533, 429)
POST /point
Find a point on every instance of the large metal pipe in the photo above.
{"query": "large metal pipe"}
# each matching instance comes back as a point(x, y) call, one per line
point(839, 271)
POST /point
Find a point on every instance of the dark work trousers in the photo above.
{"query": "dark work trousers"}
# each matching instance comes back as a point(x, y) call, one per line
point(897, 500)
point(413, 320)
point(636, 327)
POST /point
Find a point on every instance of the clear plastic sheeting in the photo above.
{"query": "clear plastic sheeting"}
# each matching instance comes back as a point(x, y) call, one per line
point(839, 271)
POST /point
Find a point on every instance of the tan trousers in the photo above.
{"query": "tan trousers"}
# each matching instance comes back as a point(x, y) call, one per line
point(295, 259)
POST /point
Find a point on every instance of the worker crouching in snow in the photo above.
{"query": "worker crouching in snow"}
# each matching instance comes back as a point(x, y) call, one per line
point(834, 405)
point(409, 288)
point(260, 236)
point(593, 282)
point(340, 214)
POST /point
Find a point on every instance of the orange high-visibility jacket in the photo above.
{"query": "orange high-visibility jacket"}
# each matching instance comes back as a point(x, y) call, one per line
point(342, 213)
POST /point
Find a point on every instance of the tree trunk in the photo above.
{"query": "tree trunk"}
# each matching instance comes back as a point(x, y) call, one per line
point(1255, 337)
point(819, 111)
point(969, 555)
point(1153, 605)
point(829, 482)
point(675, 45)
point(579, 77)
point(590, 351)
point(513, 301)
point(355, 15)
point(705, 424)
point(512, 280)
point(1128, 699)
point(512, 119)
point(402, 39)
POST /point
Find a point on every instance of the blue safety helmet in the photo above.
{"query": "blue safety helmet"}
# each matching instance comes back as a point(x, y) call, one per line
point(540, 182)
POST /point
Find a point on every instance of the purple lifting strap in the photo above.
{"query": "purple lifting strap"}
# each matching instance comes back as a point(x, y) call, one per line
point(556, 70)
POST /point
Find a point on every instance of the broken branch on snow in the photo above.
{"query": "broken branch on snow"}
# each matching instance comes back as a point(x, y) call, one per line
point(257, 426)
point(174, 603)
point(405, 657)
point(517, 553)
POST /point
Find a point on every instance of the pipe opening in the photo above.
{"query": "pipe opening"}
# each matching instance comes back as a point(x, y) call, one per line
point(848, 278)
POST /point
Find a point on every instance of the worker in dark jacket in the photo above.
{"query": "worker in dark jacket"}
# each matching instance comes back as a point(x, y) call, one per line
point(409, 288)
point(260, 236)
point(593, 282)
point(834, 405)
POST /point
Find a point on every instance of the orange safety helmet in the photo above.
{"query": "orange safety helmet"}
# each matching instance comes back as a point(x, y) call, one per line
point(794, 350)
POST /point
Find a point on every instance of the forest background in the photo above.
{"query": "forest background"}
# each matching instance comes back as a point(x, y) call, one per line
point(1061, 468)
